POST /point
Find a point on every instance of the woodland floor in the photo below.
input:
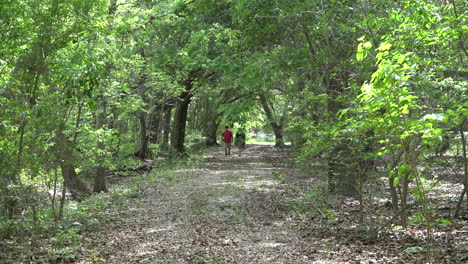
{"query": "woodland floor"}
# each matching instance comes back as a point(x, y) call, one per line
point(239, 209)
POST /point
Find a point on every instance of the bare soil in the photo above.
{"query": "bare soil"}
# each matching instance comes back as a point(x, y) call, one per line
point(251, 209)
point(237, 209)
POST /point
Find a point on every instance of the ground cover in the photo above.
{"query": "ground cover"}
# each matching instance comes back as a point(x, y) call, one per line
point(253, 208)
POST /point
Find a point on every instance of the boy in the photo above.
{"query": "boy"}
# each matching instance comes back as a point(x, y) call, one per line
point(227, 138)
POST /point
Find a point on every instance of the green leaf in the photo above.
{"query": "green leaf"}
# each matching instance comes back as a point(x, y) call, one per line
point(361, 55)
point(335, 132)
point(384, 46)
point(444, 221)
point(462, 246)
point(396, 181)
point(414, 250)
point(402, 169)
point(404, 110)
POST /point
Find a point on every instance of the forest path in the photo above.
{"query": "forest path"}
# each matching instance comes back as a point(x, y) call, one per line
point(227, 211)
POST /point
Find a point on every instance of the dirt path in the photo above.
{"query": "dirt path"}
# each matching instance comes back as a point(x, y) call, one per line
point(238, 210)
point(228, 211)
point(249, 209)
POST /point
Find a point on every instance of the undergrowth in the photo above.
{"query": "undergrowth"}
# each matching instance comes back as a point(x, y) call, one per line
point(315, 204)
point(37, 235)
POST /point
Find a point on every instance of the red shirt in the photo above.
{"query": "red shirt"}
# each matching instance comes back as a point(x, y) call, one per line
point(227, 136)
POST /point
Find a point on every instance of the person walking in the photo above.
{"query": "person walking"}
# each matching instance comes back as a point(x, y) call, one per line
point(227, 138)
point(240, 141)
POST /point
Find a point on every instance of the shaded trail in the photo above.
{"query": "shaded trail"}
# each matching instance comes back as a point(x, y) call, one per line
point(239, 210)
point(227, 211)
point(234, 210)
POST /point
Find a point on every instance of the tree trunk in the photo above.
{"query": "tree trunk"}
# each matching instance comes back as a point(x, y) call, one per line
point(465, 168)
point(54, 212)
point(100, 177)
point(166, 126)
point(404, 200)
point(155, 124)
point(343, 171)
point(180, 116)
point(342, 174)
point(62, 200)
point(71, 180)
point(278, 131)
point(180, 121)
point(116, 126)
point(210, 132)
point(275, 125)
point(410, 154)
point(391, 181)
point(143, 150)
point(393, 193)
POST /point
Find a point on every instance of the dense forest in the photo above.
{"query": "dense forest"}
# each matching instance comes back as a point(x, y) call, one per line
point(101, 98)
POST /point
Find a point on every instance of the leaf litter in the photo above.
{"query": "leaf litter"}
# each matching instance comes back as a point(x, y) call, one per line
point(249, 209)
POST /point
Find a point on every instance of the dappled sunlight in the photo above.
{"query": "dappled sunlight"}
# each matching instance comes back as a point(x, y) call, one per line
point(271, 244)
point(226, 199)
point(235, 210)
point(264, 185)
point(191, 170)
point(206, 212)
point(112, 147)
point(228, 172)
point(156, 230)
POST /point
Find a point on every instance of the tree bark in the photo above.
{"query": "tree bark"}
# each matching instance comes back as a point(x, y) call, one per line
point(54, 213)
point(71, 180)
point(393, 192)
point(343, 171)
point(275, 125)
point(143, 150)
point(210, 132)
point(465, 168)
point(180, 115)
point(404, 200)
point(180, 121)
point(166, 126)
point(343, 175)
point(155, 124)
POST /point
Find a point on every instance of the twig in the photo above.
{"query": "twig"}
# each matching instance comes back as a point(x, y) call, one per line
point(391, 220)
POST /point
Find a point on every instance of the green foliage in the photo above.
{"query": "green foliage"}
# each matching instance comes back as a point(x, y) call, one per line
point(279, 177)
point(124, 193)
point(444, 222)
point(414, 250)
point(315, 204)
point(463, 246)
point(396, 103)
point(349, 81)
point(9, 228)
point(67, 237)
